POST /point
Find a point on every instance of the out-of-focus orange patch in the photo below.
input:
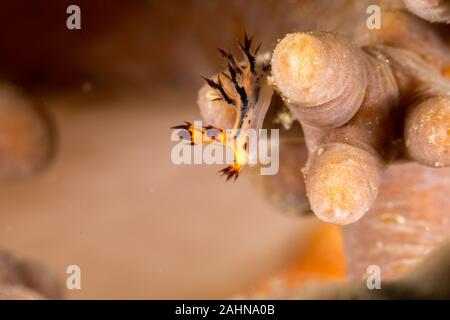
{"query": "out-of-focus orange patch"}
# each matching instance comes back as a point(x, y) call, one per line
point(322, 260)
point(446, 72)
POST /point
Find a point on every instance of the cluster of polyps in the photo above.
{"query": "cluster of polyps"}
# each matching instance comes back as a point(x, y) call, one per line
point(359, 108)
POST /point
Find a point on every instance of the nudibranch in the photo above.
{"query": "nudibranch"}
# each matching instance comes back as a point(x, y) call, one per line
point(233, 102)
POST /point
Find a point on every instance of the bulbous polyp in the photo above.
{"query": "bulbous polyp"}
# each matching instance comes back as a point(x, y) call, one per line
point(25, 137)
point(427, 131)
point(215, 112)
point(321, 76)
point(431, 10)
point(286, 189)
point(342, 182)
